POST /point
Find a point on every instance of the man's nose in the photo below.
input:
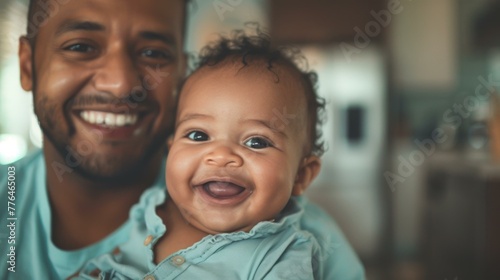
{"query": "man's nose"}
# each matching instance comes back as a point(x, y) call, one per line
point(223, 155)
point(118, 74)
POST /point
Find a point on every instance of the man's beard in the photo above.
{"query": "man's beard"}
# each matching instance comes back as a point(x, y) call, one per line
point(92, 165)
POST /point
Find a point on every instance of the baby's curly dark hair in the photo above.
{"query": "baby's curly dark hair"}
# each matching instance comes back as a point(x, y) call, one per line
point(250, 48)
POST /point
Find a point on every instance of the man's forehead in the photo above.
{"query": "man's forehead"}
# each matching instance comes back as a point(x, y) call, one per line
point(133, 12)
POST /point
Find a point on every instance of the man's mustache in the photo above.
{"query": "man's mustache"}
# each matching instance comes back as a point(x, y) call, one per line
point(83, 101)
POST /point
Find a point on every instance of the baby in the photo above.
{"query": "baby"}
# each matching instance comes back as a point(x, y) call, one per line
point(246, 144)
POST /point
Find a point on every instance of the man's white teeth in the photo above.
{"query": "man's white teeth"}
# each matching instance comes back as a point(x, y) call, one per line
point(108, 119)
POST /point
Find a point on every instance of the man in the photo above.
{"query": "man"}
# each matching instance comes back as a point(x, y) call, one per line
point(103, 76)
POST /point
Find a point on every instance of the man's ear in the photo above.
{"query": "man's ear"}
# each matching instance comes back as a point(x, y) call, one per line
point(25, 63)
point(170, 140)
point(308, 170)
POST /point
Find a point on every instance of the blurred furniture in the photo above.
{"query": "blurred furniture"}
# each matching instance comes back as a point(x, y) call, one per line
point(461, 232)
point(486, 26)
point(323, 22)
point(495, 128)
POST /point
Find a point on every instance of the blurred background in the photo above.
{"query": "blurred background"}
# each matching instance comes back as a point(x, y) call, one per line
point(411, 174)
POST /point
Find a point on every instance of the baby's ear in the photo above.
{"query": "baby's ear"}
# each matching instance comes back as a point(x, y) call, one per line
point(308, 170)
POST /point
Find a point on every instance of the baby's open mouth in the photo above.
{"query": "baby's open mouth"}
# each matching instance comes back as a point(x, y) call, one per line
point(222, 190)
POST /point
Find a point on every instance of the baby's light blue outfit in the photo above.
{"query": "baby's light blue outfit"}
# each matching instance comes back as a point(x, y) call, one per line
point(36, 257)
point(271, 250)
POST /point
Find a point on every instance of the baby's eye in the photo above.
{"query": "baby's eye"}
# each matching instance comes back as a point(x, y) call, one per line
point(197, 136)
point(258, 143)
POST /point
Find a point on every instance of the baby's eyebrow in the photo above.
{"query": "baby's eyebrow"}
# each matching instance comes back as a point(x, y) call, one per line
point(188, 117)
point(271, 125)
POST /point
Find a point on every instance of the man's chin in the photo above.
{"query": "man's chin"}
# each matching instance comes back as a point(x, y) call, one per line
point(105, 166)
point(113, 171)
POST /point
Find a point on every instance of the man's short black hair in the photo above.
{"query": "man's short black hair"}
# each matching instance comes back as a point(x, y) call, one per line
point(247, 49)
point(34, 7)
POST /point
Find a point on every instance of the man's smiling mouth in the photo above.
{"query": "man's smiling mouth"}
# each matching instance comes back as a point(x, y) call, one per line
point(115, 126)
point(110, 120)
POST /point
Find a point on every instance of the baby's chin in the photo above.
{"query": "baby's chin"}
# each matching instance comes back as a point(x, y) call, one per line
point(220, 228)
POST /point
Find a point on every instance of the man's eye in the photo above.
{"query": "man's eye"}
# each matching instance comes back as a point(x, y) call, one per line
point(258, 143)
point(155, 54)
point(80, 48)
point(198, 136)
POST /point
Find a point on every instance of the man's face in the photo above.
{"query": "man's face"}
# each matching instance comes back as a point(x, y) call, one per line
point(238, 147)
point(103, 75)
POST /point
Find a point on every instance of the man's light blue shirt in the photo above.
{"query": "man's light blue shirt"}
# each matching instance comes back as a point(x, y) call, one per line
point(36, 257)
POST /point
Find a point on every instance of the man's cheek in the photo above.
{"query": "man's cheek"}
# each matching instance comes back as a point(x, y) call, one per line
point(52, 83)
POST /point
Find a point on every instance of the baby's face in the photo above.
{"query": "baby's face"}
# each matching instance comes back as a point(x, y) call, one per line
point(238, 147)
